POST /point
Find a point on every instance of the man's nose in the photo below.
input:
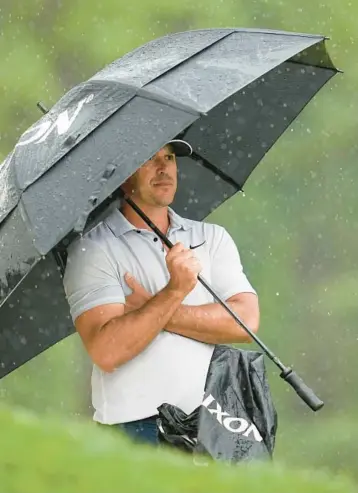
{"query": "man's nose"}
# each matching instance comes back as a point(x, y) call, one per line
point(160, 162)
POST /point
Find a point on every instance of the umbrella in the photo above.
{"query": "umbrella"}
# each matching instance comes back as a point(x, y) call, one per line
point(230, 92)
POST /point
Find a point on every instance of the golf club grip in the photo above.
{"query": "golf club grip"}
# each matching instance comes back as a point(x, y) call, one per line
point(302, 390)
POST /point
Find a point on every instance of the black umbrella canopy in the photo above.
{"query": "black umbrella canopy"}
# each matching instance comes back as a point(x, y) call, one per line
point(230, 92)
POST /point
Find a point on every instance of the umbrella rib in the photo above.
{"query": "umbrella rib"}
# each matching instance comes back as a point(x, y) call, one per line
point(228, 179)
point(305, 64)
point(194, 55)
point(147, 94)
point(280, 33)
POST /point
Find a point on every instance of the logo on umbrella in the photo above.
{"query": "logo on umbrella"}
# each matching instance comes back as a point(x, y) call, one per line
point(62, 124)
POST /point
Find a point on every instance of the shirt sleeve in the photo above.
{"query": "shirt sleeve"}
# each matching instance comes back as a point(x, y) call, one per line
point(227, 274)
point(90, 278)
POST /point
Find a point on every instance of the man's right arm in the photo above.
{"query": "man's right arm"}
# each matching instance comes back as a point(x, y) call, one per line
point(96, 298)
point(112, 338)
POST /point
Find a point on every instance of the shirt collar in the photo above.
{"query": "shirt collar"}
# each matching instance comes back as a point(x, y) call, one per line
point(119, 224)
point(178, 222)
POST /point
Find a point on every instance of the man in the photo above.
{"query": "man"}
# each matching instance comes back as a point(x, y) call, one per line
point(147, 324)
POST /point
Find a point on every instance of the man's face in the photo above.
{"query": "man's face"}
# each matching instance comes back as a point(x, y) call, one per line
point(155, 182)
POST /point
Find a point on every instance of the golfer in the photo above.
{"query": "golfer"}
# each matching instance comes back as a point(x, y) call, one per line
point(147, 324)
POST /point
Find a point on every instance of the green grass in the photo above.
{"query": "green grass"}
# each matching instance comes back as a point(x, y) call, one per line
point(39, 454)
point(329, 442)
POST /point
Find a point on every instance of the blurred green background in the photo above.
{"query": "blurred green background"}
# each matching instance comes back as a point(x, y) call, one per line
point(296, 225)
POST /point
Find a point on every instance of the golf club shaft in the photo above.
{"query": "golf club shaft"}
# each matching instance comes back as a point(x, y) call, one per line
point(306, 394)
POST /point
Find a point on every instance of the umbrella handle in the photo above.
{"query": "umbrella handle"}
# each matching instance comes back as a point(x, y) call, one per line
point(306, 394)
point(287, 374)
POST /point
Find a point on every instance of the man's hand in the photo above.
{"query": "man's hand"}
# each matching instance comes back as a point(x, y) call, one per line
point(183, 267)
point(138, 297)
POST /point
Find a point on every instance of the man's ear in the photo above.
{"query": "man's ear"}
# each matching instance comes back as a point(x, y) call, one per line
point(127, 186)
point(124, 187)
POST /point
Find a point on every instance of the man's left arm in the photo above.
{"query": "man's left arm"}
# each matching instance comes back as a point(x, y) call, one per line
point(212, 324)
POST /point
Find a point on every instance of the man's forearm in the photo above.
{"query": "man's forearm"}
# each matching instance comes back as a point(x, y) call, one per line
point(124, 337)
point(212, 324)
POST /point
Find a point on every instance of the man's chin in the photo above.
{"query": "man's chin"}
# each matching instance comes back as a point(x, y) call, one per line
point(163, 201)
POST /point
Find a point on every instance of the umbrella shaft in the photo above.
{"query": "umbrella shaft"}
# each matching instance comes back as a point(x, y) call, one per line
point(169, 244)
point(223, 303)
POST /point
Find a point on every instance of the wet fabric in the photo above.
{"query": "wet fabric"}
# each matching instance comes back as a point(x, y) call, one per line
point(236, 421)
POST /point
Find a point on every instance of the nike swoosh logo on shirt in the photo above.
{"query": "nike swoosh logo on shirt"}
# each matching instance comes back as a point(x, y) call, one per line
point(196, 246)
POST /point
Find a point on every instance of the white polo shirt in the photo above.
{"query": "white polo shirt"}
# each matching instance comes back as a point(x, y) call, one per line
point(173, 368)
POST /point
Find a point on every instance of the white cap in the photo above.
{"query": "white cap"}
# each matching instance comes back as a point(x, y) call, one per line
point(180, 147)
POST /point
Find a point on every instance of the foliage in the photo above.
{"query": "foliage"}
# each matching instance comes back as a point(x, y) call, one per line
point(47, 455)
